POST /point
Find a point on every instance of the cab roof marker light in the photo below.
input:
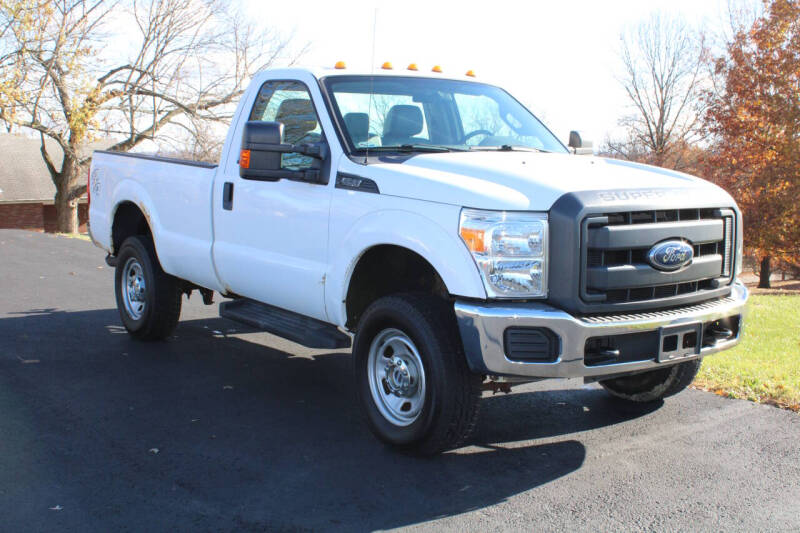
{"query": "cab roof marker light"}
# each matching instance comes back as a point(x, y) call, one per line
point(387, 65)
point(470, 73)
point(412, 66)
point(340, 65)
point(437, 68)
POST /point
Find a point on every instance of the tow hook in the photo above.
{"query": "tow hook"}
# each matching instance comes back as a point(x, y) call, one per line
point(720, 334)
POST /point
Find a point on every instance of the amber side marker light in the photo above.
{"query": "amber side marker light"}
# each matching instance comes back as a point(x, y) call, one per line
point(470, 73)
point(387, 66)
point(436, 68)
point(340, 65)
point(244, 159)
point(412, 66)
point(474, 238)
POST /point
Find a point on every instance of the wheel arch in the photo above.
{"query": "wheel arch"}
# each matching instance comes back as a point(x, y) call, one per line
point(128, 219)
point(133, 214)
point(418, 239)
point(385, 269)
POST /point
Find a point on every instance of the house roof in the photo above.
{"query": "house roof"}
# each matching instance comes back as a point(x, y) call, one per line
point(23, 174)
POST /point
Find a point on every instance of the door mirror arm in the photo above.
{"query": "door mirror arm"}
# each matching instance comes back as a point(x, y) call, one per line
point(316, 150)
point(311, 175)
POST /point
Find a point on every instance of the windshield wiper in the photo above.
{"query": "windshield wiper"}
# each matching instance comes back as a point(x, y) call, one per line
point(432, 148)
point(507, 148)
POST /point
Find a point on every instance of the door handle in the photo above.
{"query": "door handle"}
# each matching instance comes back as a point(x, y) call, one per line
point(227, 196)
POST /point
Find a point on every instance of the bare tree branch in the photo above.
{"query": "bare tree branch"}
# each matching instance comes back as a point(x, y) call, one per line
point(188, 63)
point(663, 63)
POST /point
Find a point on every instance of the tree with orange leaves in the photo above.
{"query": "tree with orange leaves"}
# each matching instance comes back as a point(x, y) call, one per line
point(754, 118)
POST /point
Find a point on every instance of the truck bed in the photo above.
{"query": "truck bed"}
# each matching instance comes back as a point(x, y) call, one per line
point(175, 197)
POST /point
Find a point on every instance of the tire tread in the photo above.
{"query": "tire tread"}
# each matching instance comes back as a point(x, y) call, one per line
point(463, 387)
point(165, 310)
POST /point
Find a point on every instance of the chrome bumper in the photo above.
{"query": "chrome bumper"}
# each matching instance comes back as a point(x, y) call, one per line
point(482, 327)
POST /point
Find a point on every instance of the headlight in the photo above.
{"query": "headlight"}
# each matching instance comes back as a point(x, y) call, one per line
point(510, 249)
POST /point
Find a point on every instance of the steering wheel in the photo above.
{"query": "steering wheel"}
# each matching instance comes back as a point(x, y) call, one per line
point(473, 133)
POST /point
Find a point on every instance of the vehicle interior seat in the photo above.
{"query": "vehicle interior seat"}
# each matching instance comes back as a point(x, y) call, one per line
point(357, 125)
point(299, 120)
point(401, 124)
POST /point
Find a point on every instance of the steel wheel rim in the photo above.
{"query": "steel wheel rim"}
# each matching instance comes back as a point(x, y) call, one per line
point(396, 377)
point(134, 288)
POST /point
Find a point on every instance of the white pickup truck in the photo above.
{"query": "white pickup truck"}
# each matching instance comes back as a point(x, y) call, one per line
point(438, 224)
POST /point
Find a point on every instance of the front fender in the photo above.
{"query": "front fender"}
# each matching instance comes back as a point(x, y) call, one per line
point(441, 247)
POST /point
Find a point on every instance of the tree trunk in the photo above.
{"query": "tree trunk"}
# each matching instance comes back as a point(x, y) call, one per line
point(67, 196)
point(764, 274)
point(66, 214)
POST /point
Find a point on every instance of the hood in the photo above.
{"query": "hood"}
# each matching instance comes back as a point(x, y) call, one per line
point(523, 181)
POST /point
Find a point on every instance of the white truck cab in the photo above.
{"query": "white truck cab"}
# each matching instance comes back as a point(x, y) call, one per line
point(441, 229)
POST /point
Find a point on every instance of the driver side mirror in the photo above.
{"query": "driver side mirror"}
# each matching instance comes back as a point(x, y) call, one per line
point(578, 145)
point(262, 148)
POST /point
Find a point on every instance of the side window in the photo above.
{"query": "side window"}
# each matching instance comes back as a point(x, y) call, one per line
point(290, 103)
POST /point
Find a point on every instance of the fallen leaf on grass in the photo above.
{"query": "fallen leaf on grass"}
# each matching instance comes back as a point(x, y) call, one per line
point(153, 450)
point(227, 387)
point(28, 361)
point(56, 508)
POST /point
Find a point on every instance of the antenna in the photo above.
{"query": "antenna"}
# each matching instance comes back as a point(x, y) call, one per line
point(371, 81)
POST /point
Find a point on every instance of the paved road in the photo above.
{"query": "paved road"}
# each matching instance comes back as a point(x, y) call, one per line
point(254, 433)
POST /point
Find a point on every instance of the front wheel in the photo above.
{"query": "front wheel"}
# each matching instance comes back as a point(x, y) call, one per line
point(411, 374)
point(148, 299)
point(654, 385)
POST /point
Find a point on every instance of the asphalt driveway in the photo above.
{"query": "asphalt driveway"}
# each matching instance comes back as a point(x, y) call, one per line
point(222, 428)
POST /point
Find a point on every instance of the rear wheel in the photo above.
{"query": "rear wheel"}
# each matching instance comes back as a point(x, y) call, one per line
point(413, 382)
point(148, 299)
point(653, 385)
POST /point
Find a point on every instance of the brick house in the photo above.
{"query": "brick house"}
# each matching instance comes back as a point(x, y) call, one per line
point(26, 190)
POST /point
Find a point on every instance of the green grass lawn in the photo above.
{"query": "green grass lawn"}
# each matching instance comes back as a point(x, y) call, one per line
point(765, 366)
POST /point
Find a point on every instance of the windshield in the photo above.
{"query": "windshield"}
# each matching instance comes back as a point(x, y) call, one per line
point(420, 114)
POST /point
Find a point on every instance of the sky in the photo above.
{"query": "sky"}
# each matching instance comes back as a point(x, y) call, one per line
point(560, 59)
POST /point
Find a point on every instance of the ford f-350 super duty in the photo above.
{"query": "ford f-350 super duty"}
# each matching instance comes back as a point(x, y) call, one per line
point(437, 226)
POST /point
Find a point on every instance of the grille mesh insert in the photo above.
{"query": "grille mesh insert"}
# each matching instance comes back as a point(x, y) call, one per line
point(610, 251)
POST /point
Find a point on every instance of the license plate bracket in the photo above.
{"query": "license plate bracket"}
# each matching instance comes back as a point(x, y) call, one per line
point(678, 342)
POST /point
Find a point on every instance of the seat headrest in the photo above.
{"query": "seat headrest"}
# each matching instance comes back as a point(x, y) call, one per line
point(402, 121)
point(298, 117)
point(357, 125)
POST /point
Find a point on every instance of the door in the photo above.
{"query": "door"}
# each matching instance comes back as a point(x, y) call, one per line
point(271, 237)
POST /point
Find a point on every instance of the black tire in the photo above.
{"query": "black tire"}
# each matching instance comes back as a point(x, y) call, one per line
point(450, 407)
point(161, 294)
point(654, 385)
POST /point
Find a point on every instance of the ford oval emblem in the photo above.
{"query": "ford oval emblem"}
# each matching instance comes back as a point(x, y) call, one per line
point(670, 255)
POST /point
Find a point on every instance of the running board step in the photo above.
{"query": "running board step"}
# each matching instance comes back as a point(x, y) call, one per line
point(297, 328)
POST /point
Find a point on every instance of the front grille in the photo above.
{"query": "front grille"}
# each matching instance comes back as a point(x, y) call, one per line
point(659, 291)
point(615, 268)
